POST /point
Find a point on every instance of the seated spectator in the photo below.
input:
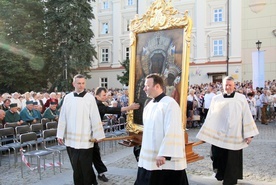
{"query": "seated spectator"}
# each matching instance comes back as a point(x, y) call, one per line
point(37, 110)
point(6, 96)
point(51, 112)
point(27, 114)
point(6, 104)
point(27, 97)
point(53, 98)
point(45, 97)
point(1, 100)
point(15, 99)
point(2, 116)
point(35, 97)
point(12, 115)
point(39, 99)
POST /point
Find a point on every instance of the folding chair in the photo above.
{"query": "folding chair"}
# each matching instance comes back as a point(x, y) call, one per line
point(22, 129)
point(108, 134)
point(3, 149)
point(51, 133)
point(44, 121)
point(38, 128)
point(29, 137)
point(52, 124)
point(13, 125)
point(8, 135)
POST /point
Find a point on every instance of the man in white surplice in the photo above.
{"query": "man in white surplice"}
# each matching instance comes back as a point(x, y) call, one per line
point(162, 159)
point(229, 127)
point(80, 121)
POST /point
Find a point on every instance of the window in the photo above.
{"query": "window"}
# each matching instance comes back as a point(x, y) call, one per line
point(127, 52)
point(130, 2)
point(105, 5)
point(105, 28)
point(218, 15)
point(218, 47)
point(104, 55)
point(104, 82)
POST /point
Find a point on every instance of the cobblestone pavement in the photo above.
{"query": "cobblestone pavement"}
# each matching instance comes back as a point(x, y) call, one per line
point(259, 164)
point(259, 158)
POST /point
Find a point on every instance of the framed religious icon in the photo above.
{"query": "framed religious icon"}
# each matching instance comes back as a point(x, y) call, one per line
point(160, 43)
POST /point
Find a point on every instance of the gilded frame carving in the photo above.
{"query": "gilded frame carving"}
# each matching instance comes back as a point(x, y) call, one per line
point(166, 25)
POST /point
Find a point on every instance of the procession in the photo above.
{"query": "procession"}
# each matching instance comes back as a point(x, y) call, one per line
point(147, 93)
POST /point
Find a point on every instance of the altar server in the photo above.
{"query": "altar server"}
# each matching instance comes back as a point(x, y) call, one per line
point(162, 159)
point(78, 122)
point(229, 127)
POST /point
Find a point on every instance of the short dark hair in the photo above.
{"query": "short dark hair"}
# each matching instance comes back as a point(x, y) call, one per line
point(99, 90)
point(7, 100)
point(157, 79)
point(78, 76)
point(250, 94)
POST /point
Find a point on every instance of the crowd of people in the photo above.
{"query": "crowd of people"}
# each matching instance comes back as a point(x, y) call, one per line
point(87, 108)
point(31, 107)
point(262, 101)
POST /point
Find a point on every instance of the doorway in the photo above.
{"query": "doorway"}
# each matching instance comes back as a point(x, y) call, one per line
point(217, 78)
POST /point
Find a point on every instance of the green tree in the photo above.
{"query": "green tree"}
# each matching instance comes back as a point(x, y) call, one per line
point(69, 37)
point(125, 77)
point(38, 39)
point(21, 45)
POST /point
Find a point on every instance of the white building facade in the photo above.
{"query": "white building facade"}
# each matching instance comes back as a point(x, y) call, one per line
point(259, 23)
point(211, 57)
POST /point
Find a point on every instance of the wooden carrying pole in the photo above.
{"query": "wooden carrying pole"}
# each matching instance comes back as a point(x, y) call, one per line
point(113, 138)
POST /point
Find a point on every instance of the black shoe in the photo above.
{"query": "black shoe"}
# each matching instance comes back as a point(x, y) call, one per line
point(103, 178)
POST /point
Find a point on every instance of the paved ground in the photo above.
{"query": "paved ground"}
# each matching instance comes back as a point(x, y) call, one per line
point(259, 165)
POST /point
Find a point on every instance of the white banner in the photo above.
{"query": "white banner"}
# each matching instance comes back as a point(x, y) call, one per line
point(258, 69)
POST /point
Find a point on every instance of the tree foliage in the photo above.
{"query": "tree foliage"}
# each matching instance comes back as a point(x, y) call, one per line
point(21, 51)
point(69, 39)
point(38, 39)
point(125, 77)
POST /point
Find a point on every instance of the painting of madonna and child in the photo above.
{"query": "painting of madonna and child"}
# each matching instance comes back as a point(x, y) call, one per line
point(158, 52)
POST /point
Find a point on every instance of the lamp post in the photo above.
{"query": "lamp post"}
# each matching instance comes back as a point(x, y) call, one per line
point(66, 73)
point(258, 45)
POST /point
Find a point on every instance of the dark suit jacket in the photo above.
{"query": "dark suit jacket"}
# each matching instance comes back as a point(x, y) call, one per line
point(107, 110)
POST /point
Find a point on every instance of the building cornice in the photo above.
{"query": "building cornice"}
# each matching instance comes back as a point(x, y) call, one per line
point(106, 68)
point(213, 63)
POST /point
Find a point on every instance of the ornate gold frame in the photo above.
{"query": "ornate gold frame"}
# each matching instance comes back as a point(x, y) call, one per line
point(160, 16)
